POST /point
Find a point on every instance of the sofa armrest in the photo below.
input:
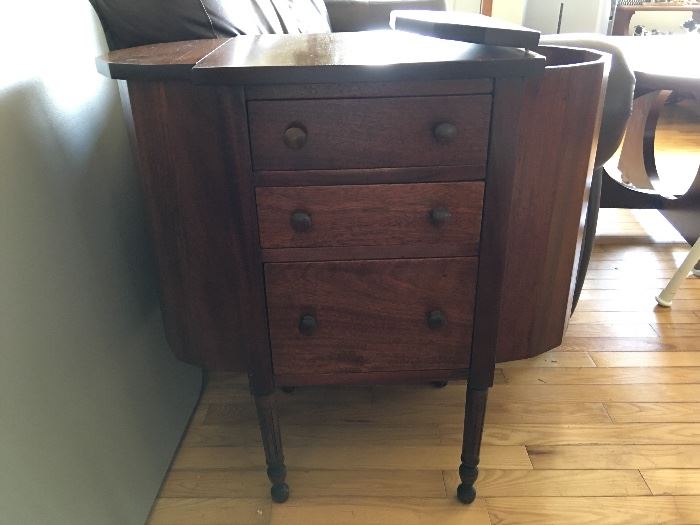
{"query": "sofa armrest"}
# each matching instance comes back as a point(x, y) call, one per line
point(362, 15)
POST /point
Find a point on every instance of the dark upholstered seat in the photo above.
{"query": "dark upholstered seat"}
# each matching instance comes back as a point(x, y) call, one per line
point(129, 23)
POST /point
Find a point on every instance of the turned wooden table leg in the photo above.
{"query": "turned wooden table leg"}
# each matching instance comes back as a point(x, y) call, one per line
point(473, 430)
point(272, 442)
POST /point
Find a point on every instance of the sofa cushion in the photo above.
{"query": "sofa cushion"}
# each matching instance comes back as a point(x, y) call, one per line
point(363, 15)
point(129, 23)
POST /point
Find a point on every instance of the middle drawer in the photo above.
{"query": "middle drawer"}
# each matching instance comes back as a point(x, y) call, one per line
point(374, 215)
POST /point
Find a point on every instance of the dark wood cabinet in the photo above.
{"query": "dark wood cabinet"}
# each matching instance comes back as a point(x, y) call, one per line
point(335, 209)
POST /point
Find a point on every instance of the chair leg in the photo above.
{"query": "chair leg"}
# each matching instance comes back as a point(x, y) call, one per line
point(665, 298)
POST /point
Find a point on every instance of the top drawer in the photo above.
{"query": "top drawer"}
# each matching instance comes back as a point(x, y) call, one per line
point(369, 133)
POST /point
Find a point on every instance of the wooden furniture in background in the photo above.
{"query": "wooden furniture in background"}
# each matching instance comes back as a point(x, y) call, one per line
point(345, 208)
point(486, 7)
point(662, 64)
point(624, 14)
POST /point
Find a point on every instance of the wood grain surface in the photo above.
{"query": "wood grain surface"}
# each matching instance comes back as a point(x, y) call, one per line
point(194, 223)
point(377, 215)
point(369, 176)
point(544, 241)
point(371, 315)
point(370, 132)
point(370, 89)
point(374, 56)
point(171, 60)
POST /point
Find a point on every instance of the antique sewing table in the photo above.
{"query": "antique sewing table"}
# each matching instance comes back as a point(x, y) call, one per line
point(343, 208)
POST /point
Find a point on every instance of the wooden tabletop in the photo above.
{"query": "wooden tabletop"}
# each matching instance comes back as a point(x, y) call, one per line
point(465, 27)
point(171, 60)
point(333, 57)
point(663, 61)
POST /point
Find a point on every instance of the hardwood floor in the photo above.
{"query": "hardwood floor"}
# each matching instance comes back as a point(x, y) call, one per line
point(603, 430)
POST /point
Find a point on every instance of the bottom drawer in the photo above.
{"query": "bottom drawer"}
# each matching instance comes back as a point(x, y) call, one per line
point(370, 316)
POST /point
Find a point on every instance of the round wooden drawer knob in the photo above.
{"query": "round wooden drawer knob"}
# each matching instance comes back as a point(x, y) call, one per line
point(307, 324)
point(439, 216)
point(300, 221)
point(445, 132)
point(436, 320)
point(295, 137)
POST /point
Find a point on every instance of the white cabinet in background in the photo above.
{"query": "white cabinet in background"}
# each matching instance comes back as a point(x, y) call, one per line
point(578, 16)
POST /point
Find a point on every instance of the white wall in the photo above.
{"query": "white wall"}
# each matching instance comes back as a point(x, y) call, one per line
point(92, 404)
point(469, 6)
point(577, 16)
point(511, 10)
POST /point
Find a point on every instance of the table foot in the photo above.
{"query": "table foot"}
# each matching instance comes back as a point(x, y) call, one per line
point(272, 442)
point(466, 493)
point(471, 444)
point(279, 490)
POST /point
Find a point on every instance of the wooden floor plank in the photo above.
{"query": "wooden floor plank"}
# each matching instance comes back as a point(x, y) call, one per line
point(660, 393)
point(644, 510)
point(551, 359)
point(443, 457)
point(378, 511)
point(615, 456)
point(237, 483)
point(598, 264)
point(677, 330)
point(634, 304)
point(630, 329)
point(629, 272)
point(691, 283)
point(578, 434)
point(646, 293)
point(630, 344)
point(664, 482)
point(559, 483)
point(303, 434)
point(403, 415)
point(659, 315)
point(211, 511)
point(544, 412)
point(603, 376)
point(654, 412)
point(651, 359)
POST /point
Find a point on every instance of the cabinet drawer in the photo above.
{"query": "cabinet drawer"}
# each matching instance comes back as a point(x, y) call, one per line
point(369, 133)
point(374, 215)
point(370, 316)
